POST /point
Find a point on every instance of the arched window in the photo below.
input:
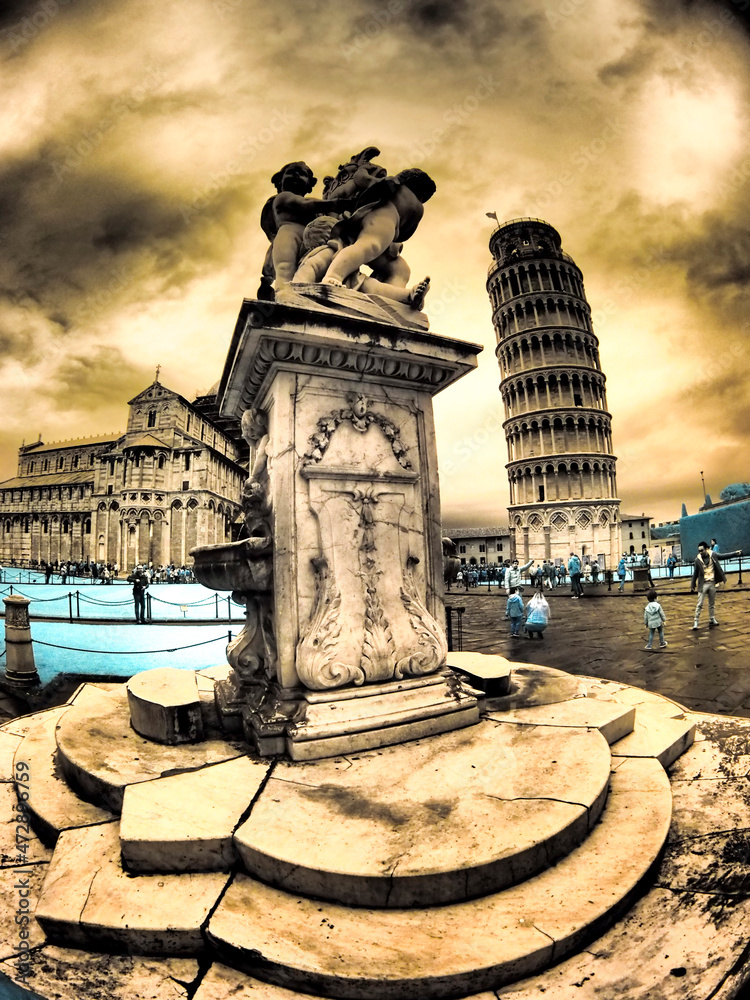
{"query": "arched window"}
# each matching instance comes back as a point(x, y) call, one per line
point(152, 418)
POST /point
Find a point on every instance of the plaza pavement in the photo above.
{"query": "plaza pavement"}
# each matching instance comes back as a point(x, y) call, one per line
point(603, 635)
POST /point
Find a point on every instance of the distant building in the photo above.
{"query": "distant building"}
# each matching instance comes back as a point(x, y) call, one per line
point(480, 546)
point(170, 481)
point(636, 532)
point(727, 521)
point(561, 462)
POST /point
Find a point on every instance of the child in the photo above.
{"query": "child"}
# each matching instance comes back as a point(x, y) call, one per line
point(654, 618)
point(537, 616)
point(514, 611)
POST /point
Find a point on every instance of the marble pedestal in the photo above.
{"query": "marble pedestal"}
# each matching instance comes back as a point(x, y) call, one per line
point(345, 649)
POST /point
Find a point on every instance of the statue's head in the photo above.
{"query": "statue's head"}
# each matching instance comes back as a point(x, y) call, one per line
point(296, 177)
point(318, 232)
point(420, 183)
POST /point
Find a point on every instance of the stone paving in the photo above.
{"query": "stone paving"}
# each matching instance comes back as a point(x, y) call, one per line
point(602, 635)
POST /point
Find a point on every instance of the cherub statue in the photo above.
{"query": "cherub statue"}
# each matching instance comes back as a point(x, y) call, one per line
point(355, 176)
point(388, 211)
point(283, 220)
point(321, 248)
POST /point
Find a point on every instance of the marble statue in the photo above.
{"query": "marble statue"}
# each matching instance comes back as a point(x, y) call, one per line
point(284, 217)
point(321, 248)
point(362, 219)
point(387, 212)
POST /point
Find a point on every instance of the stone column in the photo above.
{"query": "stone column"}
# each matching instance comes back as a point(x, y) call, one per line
point(348, 650)
point(20, 670)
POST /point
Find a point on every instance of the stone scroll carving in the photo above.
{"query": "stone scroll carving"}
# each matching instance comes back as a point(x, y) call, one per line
point(374, 627)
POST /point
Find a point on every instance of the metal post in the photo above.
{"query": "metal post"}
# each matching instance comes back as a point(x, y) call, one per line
point(739, 576)
point(229, 608)
point(148, 606)
point(70, 606)
point(449, 627)
point(216, 601)
point(229, 636)
point(460, 613)
point(78, 604)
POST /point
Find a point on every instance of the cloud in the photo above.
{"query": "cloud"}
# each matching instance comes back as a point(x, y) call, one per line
point(104, 377)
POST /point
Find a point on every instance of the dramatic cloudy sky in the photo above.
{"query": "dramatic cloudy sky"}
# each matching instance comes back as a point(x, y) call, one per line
point(137, 140)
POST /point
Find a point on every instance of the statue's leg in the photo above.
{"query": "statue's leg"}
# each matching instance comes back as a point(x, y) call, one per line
point(378, 232)
point(286, 248)
point(315, 265)
point(391, 270)
point(413, 297)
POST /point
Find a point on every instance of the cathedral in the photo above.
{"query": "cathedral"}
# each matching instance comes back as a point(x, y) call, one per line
point(561, 465)
point(171, 481)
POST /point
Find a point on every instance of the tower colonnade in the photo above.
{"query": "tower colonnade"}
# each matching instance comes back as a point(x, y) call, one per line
point(561, 463)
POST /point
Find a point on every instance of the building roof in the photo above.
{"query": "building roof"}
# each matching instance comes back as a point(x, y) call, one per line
point(495, 532)
point(636, 517)
point(73, 478)
point(146, 441)
point(84, 442)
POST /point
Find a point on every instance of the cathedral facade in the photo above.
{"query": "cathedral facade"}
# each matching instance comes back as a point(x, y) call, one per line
point(561, 462)
point(170, 482)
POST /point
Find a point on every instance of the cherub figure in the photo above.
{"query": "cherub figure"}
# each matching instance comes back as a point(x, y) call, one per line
point(254, 426)
point(355, 176)
point(388, 211)
point(285, 215)
point(321, 249)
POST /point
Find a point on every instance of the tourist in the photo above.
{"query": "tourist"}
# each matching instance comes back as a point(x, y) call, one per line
point(654, 618)
point(595, 572)
point(671, 563)
point(513, 576)
point(537, 616)
point(548, 571)
point(707, 573)
point(514, 610)
point(622, 572)
point(140, 585)
point(714, 545)
point(574, 569)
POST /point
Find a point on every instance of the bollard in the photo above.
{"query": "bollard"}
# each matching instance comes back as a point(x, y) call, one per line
point(216, 599)
point(449, 628)
point(20, 670)
point(70, 606)
point(739, 575)
point(78, 604)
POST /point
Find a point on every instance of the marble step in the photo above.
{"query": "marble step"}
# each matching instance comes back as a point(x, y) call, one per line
point(88, 901)
point(101, 754)
point(429, 822)
point(454, 950)
point(53, 805)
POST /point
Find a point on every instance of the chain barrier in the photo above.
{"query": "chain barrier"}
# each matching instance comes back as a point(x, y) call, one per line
point(132, 652)
point(108, 604)
point(192, 604)
point(42, 600)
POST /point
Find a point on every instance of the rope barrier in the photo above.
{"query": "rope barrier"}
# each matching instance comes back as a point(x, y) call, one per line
point(42, 600)
point(192, 604)
point(108, 604)
point(131, 652)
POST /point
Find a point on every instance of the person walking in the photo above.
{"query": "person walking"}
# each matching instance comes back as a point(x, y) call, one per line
point(622, 572)
point(574, 569)
point(140, 585)
point(514, 610)
point(707, 573)
point(653, 619)
point(595, 572)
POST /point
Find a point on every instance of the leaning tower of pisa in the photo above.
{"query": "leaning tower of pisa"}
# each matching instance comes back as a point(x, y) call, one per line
point(561, 466)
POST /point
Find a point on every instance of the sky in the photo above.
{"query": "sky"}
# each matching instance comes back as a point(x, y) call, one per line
point(137, 142)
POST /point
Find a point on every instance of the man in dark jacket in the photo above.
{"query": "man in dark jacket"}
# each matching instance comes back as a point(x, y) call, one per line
point(139, 579)
point(707, 572)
